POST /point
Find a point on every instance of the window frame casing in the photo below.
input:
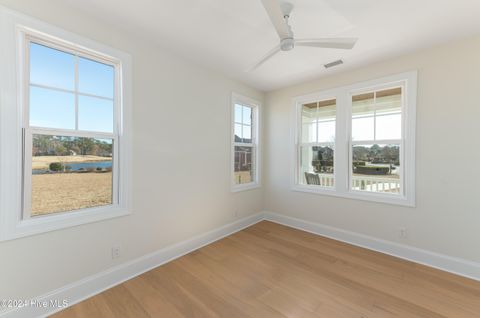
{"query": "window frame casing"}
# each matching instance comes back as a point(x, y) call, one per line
point(343, 143)
point(256, 109)
point(14, 122)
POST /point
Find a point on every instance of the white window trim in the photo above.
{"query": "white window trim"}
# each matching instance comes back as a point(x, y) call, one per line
point(256, 128)
point(342, 160)
point(12, 101)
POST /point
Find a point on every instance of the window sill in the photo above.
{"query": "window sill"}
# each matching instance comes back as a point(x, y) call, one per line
point(48, 223)
point(357, 195)
point(245, 187)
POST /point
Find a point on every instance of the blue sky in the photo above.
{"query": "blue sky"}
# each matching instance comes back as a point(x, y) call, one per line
point(51, 108)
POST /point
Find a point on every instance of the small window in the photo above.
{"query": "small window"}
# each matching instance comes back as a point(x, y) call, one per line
point(244, 143)
point(317, 146)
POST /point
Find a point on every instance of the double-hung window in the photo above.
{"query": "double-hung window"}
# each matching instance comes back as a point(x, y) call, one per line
point(317, 143)
point(245, 150)
point(376, 141)
point(70, 130)
point(358, 141)
point(71, 143)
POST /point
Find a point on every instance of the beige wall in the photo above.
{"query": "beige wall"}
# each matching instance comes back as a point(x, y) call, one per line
point(181, 151)
point(447, 216)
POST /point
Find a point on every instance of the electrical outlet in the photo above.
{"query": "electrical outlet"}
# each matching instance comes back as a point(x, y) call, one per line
point(403, 233)
point(116, 251)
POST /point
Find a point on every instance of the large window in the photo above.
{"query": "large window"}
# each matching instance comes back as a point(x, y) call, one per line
point(70, 130)
point(67, 120)
point(358, 141)
point(245, 150)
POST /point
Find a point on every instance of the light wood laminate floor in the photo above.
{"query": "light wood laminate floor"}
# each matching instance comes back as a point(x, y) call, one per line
point(269, 270)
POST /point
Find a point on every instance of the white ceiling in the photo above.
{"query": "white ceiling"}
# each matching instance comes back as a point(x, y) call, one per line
point(231, 35)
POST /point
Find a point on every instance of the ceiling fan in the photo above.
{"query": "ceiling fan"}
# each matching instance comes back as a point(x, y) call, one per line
point(279, 13)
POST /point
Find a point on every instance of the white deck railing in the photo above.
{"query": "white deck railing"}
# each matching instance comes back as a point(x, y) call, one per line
point(365, 183)
point(376, 184)
point(326, 180)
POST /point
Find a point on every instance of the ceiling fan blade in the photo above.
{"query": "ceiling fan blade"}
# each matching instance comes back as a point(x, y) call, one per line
point(267, 56)
point(332, 43)
point(276, 15)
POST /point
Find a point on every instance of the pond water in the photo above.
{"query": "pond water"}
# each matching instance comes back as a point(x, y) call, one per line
point(79, 166)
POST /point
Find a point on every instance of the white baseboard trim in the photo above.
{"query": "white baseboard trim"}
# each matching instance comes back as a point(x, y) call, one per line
point(92, 285)
point(446, 263)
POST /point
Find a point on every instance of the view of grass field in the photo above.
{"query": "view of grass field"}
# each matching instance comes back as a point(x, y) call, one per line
point(62, 192)
point(70, 173)
point(43, 162)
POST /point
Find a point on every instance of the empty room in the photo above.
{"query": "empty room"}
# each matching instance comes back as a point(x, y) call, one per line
point(239, 158)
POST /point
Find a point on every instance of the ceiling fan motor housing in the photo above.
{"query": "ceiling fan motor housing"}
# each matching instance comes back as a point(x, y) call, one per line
point(287, 44)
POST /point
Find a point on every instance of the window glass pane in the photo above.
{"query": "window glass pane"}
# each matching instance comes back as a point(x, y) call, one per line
point(247, 134)
point(309, 123)
point(238, 113)
point(326, 120)
point(389, 127)
point(316, 166)
point(309, 132)
point(326, 131)
point(362, 128)
point(95, 78)
point(363, 112)
point(389, 101)
point(95, 114)
point(51, 67)
point(238, 133)
point(244, 170)
point(388, 114)
point(363, 105)
point(376, 168)
point(51, 108)
point(247, 115)
point(70, 173)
